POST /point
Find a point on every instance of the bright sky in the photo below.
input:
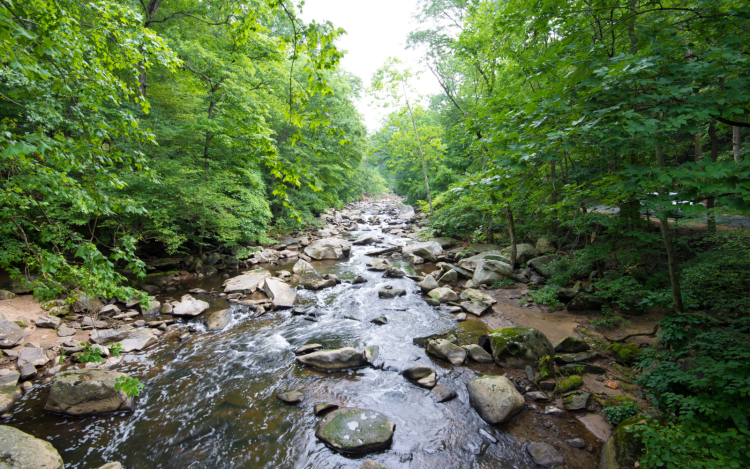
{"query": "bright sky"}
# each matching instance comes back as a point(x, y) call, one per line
point(376, 30)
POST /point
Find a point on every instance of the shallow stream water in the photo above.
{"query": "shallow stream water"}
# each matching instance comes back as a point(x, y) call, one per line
point(209, 402)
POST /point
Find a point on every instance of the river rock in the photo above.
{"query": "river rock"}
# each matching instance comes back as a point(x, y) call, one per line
point(524, 253)
point(441, 348)
point(23, 451)
point(129, 339)
point(279, 292)
point(445, 267)
point(308, 348)
point(443, 295)
point(10, 334)
point(356, 430)
point(32, 356)
point(428, 250)
point(65, 331)
point(442, 393)
point(477, 309)
point(572, 345)
point(540, 396)
point(489, 271)
point(378, 265)
point(87, 392)
point(448, 278)
point(48, 322)
point(495, 398)
point(302, 267)
point(365, 239)
point(8, 395)
point(415, 373)
point(291, 397)
point(428, 284)
point(518, 347)
point(27, 371)
point(391, 293)
point(380, 321)
point(566, 358)
point(329, 248)
point(446, 242)
point(371, 354)
point(478, 354)
point(8, 378)
point(111, 465)
point(477, 296)
point(393, 272)
point(323, 407)
point(576, 401)
point(7, 295)
point(218, 320)
point(335, 359)
point(246, 283)
point(545, 264)
point(470, 263)
point(545, 245)
point(189, 306)
point(544, 454)
point(319, 283)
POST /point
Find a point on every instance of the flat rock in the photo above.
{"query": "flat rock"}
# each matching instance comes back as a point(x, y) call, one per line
point(129, 339)
point(23, 451)
point(537, 396)
point(48, 322)
point(87, 392)
point(308, 348)
point(10, 334)
point(576, 401)
point(544, 454)
point(428, 250)
point(65, 331)
point(477, 309)
point(477, 296)
point(478, 354)
point(32, 356)
point(246, 283)
point(565, 358)
point(356, 430)
point(291, 397)
point(442, 393)
point(335, 359)
point(189, 306)
point(9, 377)
point(495, 398)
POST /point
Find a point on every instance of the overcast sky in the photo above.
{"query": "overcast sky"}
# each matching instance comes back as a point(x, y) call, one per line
point(376, 30)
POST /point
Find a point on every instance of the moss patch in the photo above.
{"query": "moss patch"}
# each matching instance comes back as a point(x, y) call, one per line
point(570, 383)
point(626, 353)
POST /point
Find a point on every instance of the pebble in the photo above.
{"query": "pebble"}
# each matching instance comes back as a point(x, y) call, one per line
point(487, 435)
point(576, 443)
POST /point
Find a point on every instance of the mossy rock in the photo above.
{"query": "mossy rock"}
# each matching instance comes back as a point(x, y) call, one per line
point(623, 449)
point(626, 353)
point(519, 347)
point(570, 383)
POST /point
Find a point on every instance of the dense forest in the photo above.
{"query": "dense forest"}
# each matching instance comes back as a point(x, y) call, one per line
point(615, 129)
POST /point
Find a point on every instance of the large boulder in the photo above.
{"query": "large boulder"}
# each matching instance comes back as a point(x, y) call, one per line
point(545, 245)
point(443, 295)
point(329, 248)
point(524, 253)
point(446, 350)
point(302, 267)
point(448, 278)
point(130, 340)
point(334, 359)
point(356, 430)
point(428, 250)
point(489, 271)
point(19, 450)
point(279, 292)
point(7, 295)
point(189, 306)
point(495, 398)
point(87, 392)
point(446, 243)
point(246, 283)
point(10, 334)
point(406, 212)
point(623, 448)
point(545, 265)
point(470, 263)
point(218, 320)
point(519, 347)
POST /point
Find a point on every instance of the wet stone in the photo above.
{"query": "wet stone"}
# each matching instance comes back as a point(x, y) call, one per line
point(576, 443)
point(387, 294)
point(291, 397)
point(309, 348)
point(324, 407)
point(356, 430)
point(576, 401)
point(380, 320)
point(544, 454)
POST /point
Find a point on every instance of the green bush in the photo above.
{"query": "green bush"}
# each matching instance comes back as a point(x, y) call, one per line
point(617, 413)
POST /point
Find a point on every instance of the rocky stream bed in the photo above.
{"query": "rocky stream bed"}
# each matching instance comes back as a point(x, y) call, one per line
point(352, 347)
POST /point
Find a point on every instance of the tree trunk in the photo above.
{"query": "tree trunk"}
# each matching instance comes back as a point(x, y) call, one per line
point(710, 201)
point(150, 11)
point(736, 142)
point(421, 156)
point(512, 235)
point(666, 235)
point(698, 147)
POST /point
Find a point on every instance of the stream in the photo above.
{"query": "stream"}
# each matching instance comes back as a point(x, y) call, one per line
point(210, 401)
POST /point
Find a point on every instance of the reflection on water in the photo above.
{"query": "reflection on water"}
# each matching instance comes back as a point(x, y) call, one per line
point(209, 402)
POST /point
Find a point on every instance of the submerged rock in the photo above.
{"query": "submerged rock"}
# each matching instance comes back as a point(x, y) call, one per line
point(333, 360)
point(544, 454)
point(356, 430)
point(8, 396)
point(291, 397)
point(518, 347)
point(495, 398)
point(23, 451)
point(87, 392)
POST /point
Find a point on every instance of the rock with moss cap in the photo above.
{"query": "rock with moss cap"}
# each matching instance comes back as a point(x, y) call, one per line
point(87, 392)
point(356, 430)
point(495, 398)
point(21, 450)
point(570, 383)
point(626, 353)
point(623, 448)
point(519, 347)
